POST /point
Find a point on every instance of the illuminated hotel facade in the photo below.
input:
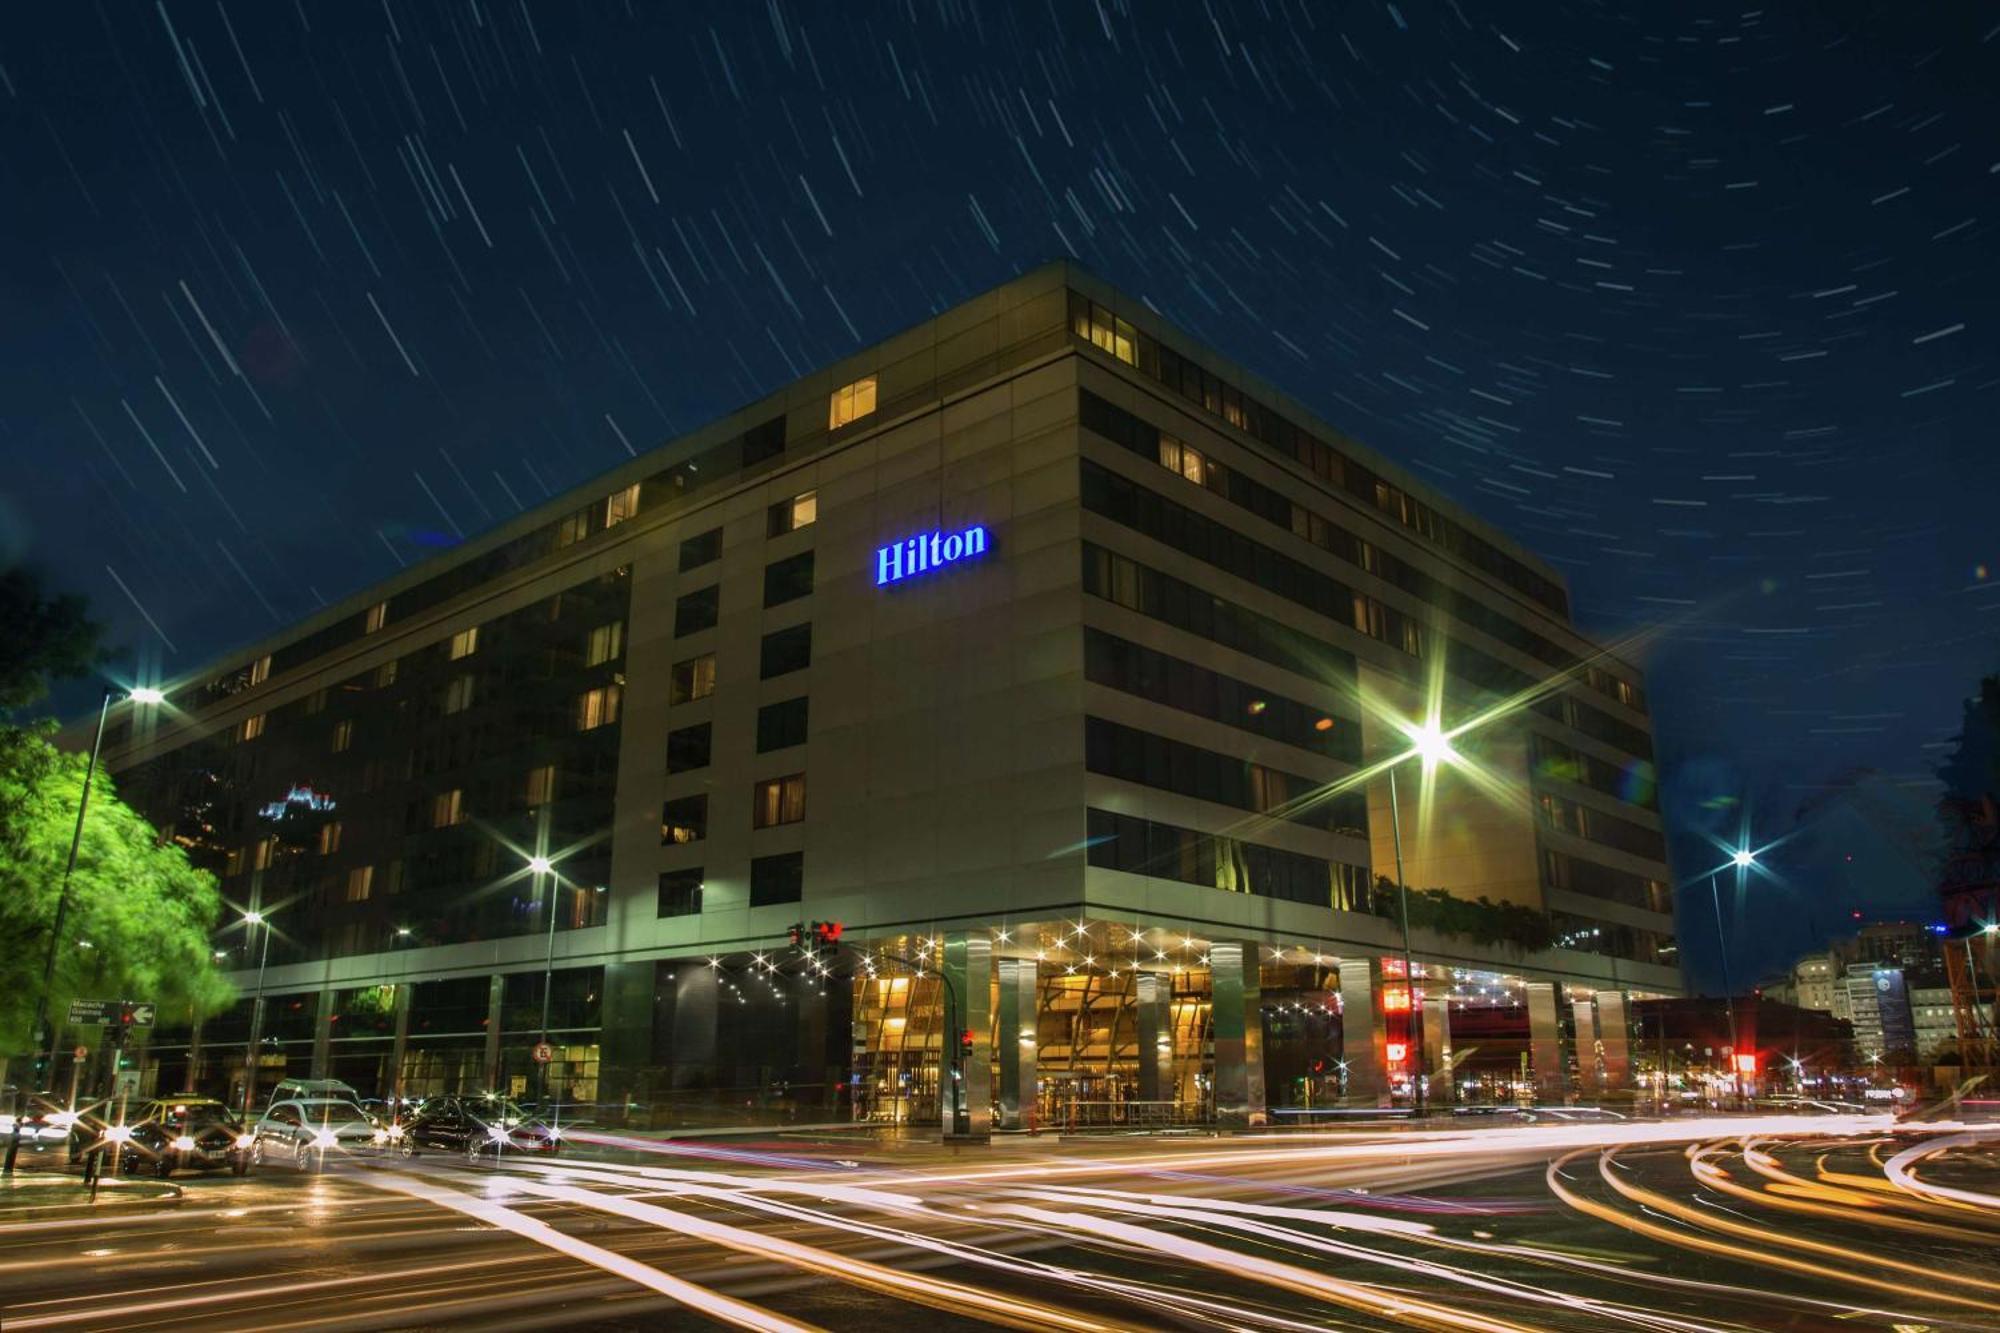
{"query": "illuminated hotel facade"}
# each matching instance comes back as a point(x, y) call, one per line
point(1036, 646)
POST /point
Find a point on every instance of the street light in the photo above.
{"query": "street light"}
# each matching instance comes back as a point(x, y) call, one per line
point(539, 865)
point(1430, 744)
point(142, 695)
point(251, 920)
point(1742, 858)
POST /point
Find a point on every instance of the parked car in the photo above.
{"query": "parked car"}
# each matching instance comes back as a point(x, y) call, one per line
point(186, 1134)
point(42, 1120)
point(298, 1089)
point(476, 1127)
point(302, 1130)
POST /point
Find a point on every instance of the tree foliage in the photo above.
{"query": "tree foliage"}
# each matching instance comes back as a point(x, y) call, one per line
point(1973, 768)
point(139, 915)
point(1478, 919)
point(41, 639)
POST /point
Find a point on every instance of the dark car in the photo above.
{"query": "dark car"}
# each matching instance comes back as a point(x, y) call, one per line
point(476, 1127)
point(186, 1134)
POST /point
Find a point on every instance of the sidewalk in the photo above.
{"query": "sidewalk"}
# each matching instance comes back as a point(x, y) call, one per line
point(32, 1194)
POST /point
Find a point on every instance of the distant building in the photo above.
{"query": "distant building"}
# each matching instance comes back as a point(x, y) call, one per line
point(1691, 1036)
point(1935, 1025)
point(1878, 1000)
point(1817, 983)
point(1909, 945)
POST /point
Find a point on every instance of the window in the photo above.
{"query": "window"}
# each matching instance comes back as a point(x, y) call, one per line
point(573, 528)
point(785, 650)
point(597, 708)
point(693, 679)
point(789, 579)
point(261, 852)
point(762, 442)
point(850, 402)
point(802, 510)
point(329, 838)
point(385, 675)
point(684, 819)
point(700, 549)
point(688, 748)
point(360, 883)
point(781, 725)
point(315, 703)
point(696, 611)
point(260, 670)
point(680, 892)
point(343, 736)
point(778, 801)
point(447, 808)
point(607, 642)
point(777, 879)
point(250, 728)
point(540, 787)
point(458, 695)
point(465, 643)
point(621, 505)
point(375, 618)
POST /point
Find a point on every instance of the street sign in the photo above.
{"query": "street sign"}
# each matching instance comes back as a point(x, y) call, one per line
point(543, 1052)
point(126, 1013)
point(83, 1013)
point(136, 1015)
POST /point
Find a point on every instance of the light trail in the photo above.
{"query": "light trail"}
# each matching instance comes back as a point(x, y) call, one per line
point(1899, 1170)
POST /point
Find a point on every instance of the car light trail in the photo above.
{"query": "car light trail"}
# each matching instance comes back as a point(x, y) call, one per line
point(1899, 1171)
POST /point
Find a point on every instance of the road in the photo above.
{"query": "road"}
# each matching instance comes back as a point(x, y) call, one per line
point(1772, 1222)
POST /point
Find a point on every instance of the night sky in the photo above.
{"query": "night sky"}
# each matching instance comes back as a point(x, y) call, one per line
point(1698, 303)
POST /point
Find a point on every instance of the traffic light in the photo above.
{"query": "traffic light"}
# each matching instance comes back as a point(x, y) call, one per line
point(965, 1041)
point(797, 933)
point(827, 932)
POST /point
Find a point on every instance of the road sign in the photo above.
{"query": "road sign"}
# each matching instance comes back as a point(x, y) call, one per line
point(83, 1013)
point(543, 1052)
point(134, 1015)
point(81, 1052)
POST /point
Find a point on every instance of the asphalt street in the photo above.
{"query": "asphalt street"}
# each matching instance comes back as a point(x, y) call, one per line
point(1773, 1222)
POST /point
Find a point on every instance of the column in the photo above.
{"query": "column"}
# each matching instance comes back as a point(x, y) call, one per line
point(1236, 1013)
point(1545, 1056)
point(625, 1038)
point(1020, 1014)
point(1588, 1083)
point(1364, 1037)
point(1153, 993)
point(1443, 1086)
point(490, 1070)
point(968, 965)
point(191, 1082)
point(399, 1048)
point(1614, 1034)
point(322, 1053)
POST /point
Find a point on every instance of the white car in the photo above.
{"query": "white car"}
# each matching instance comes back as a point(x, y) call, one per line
point(304, 1130)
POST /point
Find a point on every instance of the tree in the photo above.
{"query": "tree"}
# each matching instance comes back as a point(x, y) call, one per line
point(1973, 769)
point(139, 915)
point(41, 639)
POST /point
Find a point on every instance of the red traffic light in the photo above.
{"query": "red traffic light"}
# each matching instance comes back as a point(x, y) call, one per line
point(965, 1040)
point(827, 932)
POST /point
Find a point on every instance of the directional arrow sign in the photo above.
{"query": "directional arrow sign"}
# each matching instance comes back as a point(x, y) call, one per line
point(142, 1014)
point(83, 1013)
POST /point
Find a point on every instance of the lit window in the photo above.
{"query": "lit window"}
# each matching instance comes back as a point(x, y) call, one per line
point(360, 883)
point(260, 670)
point(684, 820)
point(250, 728)
point(621, 505)
point(541, 787)
point(329, 838)
point(779, 801)
point(376, 618)
point(447, 808)
point(260, 853)
point(790, 515)
point(606, 643)
point(465, 643)
point(573, 529)
point(693, 679)
point(343, 736)
point(850, 402)
point(385, 675)
point(597, 708)
point(458, 695)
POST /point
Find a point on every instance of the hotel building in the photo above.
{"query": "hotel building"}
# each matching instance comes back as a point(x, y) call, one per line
point(1038, 647)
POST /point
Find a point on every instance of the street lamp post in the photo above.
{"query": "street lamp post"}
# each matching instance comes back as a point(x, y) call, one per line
point(36, 1033)
point(1743, 860)
point(254, 918)
point(1415, 1012)
point(540, 866)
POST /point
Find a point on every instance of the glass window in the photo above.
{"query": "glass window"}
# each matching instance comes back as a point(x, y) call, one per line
point(693, 679)
point(251, 728)
point(850, 402)
point(777, 879)
point(465, 643)
point(680, 892)
point(781, 725)
point(788, 579)
point(684, 819)
point(573, 528)
point(260, 670)
point(385, 675)
point(458, 695)
point(598, 707)
point(802, 510)
point(540, 787)
point(701, 548)
point(343, 736)
point(688, 748)
point(696, 611)
point(607, 642)
point(375, 618)
point(785, 650)
point(447, 808)
point(778, 801)
point(762, 442)
point(360, 883)
point(621, 505)
point(329, 838)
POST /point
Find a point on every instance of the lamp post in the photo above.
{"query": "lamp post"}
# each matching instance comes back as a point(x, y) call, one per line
point(251, 920)
point(142, 695)
point(539, 866)
point(1432, 746)
point(1742, 859)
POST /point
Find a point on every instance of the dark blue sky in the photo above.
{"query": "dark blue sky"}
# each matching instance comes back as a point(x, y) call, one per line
point(1698, 303)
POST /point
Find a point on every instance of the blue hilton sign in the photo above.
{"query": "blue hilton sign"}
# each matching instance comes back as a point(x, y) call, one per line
point(926, 551)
